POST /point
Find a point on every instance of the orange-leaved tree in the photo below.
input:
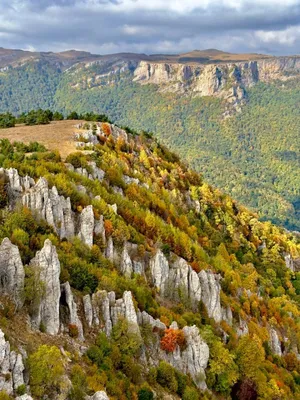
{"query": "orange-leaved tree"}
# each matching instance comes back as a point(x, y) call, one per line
point(172, 338)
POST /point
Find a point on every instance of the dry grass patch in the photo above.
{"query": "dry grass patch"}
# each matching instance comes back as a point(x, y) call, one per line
point(55, 136)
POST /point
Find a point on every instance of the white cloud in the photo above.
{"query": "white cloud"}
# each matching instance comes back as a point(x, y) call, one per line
point(287, 37)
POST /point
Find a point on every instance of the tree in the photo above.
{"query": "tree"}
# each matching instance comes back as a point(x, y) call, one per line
point(166, 376)
point(249, 356)
point(172, 338)
point(46, 368)
point(57, 116)
point(73, 115)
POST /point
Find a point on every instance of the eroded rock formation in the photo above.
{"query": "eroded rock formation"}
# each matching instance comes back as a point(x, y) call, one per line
point(47, 266)
point(11, 272)
point(11, 367)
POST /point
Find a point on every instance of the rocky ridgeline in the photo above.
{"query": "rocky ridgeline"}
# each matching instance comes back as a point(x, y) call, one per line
point(90, 137)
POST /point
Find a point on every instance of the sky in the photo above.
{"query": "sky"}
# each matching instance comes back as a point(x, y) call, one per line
point(151, 26)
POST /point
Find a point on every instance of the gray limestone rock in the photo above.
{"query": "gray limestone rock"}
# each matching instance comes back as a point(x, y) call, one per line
point(86, 226)
point(126, 266)
point(109, 251)
point(99, 228)
point(11, 367)
point(88, 309)
point(47, 265)
point(67, 300)
point(210, 289)
point(11, 272)
point(275, 342)
point(99, 396)
point(48, 205)
point(159, 268)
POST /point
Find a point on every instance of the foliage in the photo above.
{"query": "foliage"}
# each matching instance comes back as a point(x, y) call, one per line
point(46, 371)
point(171, 339)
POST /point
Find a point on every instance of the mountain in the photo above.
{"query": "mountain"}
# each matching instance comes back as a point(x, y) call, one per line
point(124, 275)
point(235, 118)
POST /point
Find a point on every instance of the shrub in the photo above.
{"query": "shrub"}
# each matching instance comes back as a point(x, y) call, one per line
point(172, 338)
point(21, 390)
point(73, 330)
point(166, 376)
point(4, 396)
point(145, 394)
point(190, 394)
point(46, 368)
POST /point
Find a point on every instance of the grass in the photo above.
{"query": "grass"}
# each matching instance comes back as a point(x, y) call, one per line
point(55, 136)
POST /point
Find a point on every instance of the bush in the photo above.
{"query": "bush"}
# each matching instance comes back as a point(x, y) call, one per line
point(190, 394)
point(172, 338)
point(4, 396)
point(21, 390)
point(46, 368)
point(145, 394)
point(73, 331)
point(166, 376)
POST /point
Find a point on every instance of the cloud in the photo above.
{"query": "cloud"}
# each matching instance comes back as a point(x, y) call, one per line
point(105, 26)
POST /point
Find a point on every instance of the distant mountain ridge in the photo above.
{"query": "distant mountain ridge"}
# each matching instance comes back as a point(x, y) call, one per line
point(70, 57)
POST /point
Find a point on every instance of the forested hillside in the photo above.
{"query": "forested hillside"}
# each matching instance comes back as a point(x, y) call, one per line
point(252, 155)
point(124, 275)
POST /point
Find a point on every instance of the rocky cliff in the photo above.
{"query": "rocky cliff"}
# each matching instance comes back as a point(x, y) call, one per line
point(226, 80)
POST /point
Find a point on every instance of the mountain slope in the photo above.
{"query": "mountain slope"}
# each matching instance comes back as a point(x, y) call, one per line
point(139, 271)
point(187, 107)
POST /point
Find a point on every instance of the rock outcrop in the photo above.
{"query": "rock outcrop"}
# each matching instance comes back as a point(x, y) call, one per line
point(103, 310)
point(54, 209)
point(274, 342)
point(11, 367)
point(159, 268)
point(47, 266)
point(86, 225)
point(68, 310)
point(99, 396)
point(11, 272)
point(126, 266)
point(178, 281)
point(211, 288)
point(292, 263)
point(194, 358)
point(227, 79)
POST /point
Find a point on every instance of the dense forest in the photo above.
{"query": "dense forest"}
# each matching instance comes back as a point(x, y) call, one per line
point(252, 155)
point(145, 201)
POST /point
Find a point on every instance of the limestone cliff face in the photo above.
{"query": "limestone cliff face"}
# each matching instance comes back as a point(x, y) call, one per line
point(178, 281)
point(225, 80)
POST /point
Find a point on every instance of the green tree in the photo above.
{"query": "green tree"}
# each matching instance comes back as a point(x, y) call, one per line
point(46, 367)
